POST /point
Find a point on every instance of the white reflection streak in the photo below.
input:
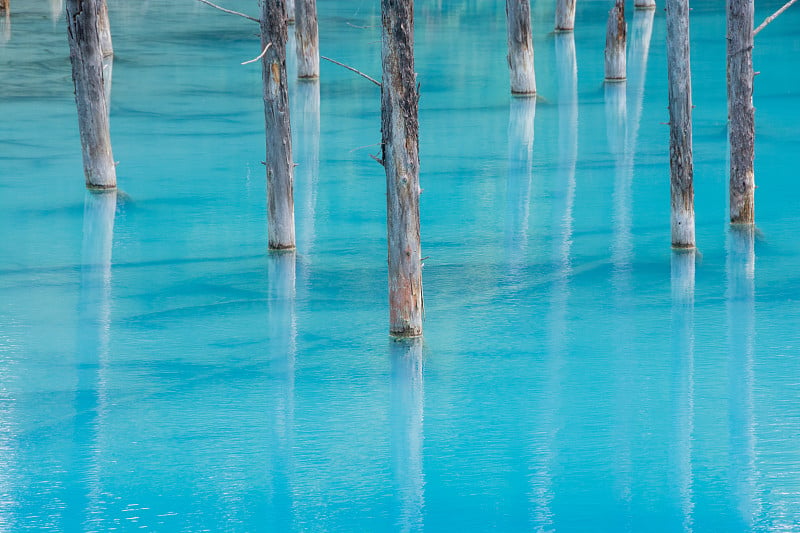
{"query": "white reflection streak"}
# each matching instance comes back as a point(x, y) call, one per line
point(95, 323)
point(545, 443)
point(5, 27)
point(522, 114)
point(56, 10)
point(682, 281)
point(740, 298)
point(306, 124)
point(282, 331)
point(407, 408)
point(8, 454)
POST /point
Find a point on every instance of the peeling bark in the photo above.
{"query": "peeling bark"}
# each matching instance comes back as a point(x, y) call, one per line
point(400, 133)
point(616, 35)
point(520, 47)
point(680, 131)
point(307, 38)
point(565, 15)
point(87, 75)
point(741, 114)
point(280, 169)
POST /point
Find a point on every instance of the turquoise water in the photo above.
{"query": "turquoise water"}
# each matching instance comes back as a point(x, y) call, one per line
point(160, 370)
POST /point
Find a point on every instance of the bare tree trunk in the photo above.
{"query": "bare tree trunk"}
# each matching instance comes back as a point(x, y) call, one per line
point(520, 47)
point(565, 15)
point(87, 74)
point(5, 6)
point(741, 114)
point(307, 37)
point(290, 11)
point(616, 35)
point(104, 29)
point(644, 4)
point(680, 130)
point(280, 168)
point(400, 132)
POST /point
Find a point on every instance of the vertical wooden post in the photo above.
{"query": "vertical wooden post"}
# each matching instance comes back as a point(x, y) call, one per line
point(520, 47)
point(280, 168)
point(87, 75)
point(644, 4)
point(680, 120)
point(104, 30)
point(5, 7)
point(307, 38)
point(741, 114)
point(565, 15)
point(616, 35)
point(400, 133)
point(290, 9)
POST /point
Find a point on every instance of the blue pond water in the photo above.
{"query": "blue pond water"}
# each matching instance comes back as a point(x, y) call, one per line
point(160, 370)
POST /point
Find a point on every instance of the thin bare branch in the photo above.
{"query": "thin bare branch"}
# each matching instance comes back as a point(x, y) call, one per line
point(263, 52)
point(772, 17)
point(248, 17)
point(367, 146)
point(373, 80)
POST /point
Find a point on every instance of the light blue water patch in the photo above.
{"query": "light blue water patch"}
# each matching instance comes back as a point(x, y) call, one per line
point(159, 369)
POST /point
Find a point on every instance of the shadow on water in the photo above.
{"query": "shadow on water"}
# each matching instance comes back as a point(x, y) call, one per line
point(94, 326)
point(682, 322)
point(407, 414)
point(740, 300)
point(282, 331)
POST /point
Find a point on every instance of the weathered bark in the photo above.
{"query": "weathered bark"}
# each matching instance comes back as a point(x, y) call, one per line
point(680, 130)
point(307, 37)
point(290, 11)
point(87, 75)
point(400, 133)
point(280, 168)
point(104, 29)
point(616, 36)
point(565, 15)
point(5, 6)
point(644, 4)
point(520, 47)
point(741, 114)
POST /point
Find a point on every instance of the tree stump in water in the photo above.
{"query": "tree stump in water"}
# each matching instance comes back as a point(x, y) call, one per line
point(616, 35)
point(307, 37)
point(280, 168)
point(520, 47)
point(680, 131)
point(565, 15)
point(741, 114)
point(87, 74)
point(400, 133)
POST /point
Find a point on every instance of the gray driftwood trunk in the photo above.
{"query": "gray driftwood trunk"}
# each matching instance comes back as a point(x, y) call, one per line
point(680, 119)
point(307, 38)
point(741, 114)
point(520, 47)
point(616, 38)
point(280, 168)
point(644, 4)
point(290, 11)
point(87, 74)
point(565, 15)
point(400, 135)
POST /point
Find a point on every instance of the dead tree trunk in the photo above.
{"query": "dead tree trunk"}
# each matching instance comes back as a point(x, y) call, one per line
point(680, 120)
point(290, 11)
point(104, 29)
point(280, 169)
point(520, 47)
point(565, 15)
point(741, 114)
point(400, 132)
point(616, 35)
point(644, 4)
point(5, 6)
point(307, 38)
point(87, 74)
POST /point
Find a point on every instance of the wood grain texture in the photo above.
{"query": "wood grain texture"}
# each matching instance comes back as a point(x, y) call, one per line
point(520, 47)
point(565, 15)
point(280, 168)
point(307, 38)
point(87, 74)
point(400, 136)
point(616, 42)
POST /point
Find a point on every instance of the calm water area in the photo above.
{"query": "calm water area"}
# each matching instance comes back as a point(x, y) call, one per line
point(160, 370)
